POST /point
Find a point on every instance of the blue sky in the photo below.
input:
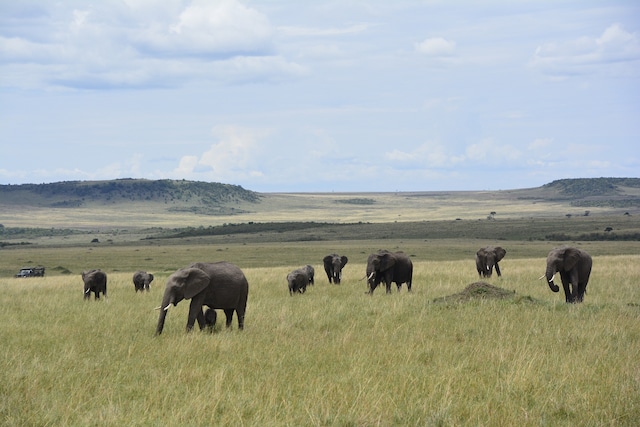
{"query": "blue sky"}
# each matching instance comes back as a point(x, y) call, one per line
point(344, 95)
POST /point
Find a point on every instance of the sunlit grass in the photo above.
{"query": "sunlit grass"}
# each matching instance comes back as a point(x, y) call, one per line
point(333, 356)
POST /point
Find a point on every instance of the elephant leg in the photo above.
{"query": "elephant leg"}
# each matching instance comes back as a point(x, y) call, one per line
point(195, 312)
point(96, 295)
point(566, 281)
point(200, 319)
point(388, 285)
point(498, 270)
point(228, 312)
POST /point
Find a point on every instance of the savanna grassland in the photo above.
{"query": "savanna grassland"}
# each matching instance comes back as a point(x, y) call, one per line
point(333, 356)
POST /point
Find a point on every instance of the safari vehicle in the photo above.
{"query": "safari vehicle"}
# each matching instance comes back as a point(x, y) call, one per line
point(31, 272)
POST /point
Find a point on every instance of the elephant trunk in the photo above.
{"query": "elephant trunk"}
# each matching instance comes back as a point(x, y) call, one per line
point(549, 276)
point(164, 308)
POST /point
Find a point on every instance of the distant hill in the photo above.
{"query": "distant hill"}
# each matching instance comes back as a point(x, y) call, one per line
point(592, 192)
point(178, 194)
point(211, 198)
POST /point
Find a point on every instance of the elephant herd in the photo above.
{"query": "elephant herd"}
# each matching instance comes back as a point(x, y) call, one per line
point(223, 286)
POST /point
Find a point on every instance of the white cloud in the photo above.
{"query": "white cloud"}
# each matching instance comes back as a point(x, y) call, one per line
point(581, 55)
point(436, 46)
point(235, 156)
point(322, 32)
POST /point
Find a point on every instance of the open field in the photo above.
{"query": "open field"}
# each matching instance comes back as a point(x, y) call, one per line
point(333, 356)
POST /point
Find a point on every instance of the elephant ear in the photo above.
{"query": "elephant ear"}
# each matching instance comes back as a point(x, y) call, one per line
point(571, 257)
point(327, 259)
point(195, 282)
point(500, 253)
point(387, 261)
point(481, 253)
point(344, 260)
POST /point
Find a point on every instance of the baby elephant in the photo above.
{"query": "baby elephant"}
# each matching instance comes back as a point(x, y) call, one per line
point(210, 317)
point(298, 280)
point(142, 280)
point(94, 281)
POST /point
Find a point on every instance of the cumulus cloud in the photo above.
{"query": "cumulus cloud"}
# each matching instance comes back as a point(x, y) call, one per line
point(436, 46)
point(138, 44)
point(235, 156)
point(582, 55)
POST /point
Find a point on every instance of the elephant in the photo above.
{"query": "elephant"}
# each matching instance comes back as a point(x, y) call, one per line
point(142, 280)
point(218, 285)
point(388, 267)
point(574, 266)
point(298, 280)
point(310, 272)
point(333, 265)
point(94, 281)
point(210, 317)
point(487, 258)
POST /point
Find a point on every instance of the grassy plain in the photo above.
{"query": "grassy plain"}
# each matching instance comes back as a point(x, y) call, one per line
point(333, 356)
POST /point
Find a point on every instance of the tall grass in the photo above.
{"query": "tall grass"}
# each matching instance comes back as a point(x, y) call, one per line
point(333, 356)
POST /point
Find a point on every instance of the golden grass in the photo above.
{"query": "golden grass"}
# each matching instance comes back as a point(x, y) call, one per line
point(333, 356)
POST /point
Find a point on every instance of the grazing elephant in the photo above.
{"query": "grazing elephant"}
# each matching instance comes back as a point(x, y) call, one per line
point(210, 317)
point(388, 267)
point(310, 272)
point(142, 280)
point(94, 281)
point(298, 280)
point(487, 258)
point(219, 285)
point(333, 265)
point(574, 266)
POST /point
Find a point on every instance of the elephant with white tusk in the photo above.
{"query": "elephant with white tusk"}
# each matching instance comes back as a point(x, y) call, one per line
point(388, 267)
point(219, 285)
point(574, 266)
point(487, 258)
point(94, 281)
point(142, 280)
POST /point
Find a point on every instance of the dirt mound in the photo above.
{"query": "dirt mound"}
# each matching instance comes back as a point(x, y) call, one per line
point(478, 290)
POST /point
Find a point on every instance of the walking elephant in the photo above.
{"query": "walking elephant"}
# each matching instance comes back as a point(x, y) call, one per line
point(310, 272)
point(574, 266)
point(142, 280)
point(333, 265)
point(219, 285)
point(94, 281)
point(388, 267)
point(487, 258)
point(298, 280)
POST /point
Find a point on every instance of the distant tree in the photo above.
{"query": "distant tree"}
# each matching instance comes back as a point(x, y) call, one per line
point(586, 213)
point(608, 229)
point(568, 215)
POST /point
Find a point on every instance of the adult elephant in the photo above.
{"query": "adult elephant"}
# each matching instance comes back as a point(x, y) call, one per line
point(388, 267)
point(298, 280)
point(218, 285)
point(94, 281)
point(333, 265)
point(142, 280)
point(574, 266)
point(487, 258)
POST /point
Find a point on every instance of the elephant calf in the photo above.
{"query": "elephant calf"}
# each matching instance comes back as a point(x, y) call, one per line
point(298, 280)
point(142, 280)
point(210, 317)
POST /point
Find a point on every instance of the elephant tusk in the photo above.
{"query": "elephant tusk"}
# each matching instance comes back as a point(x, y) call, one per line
point(541, 277)
point(167, 307)
point(371, 275)
point(158, 307)
point(551, 280)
